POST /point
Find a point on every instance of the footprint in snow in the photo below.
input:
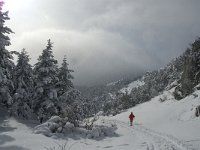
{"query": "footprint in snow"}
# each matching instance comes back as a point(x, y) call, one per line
point(123, 145)
point(108, 147)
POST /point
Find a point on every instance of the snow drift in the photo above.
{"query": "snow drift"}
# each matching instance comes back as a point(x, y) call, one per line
point(56, 126)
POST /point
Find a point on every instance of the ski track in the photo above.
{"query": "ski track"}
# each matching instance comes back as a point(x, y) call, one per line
point(155, 140)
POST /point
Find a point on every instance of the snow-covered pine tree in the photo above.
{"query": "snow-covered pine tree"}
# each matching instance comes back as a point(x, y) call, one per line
point(191, 74)
point(45, 95)
point(196, 60)
point(23, 81)
point(6, 64)
point(65, 78)
point(73, 106)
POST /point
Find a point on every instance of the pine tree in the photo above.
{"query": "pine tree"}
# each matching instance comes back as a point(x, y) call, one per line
point(196, 60)
point(45, 96)
point(6, 64)
point(72, 106)
point(191, 74)
point(23, 81)
point(65, 77)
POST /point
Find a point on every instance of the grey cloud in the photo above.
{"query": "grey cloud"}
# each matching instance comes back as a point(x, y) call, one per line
point(106, 39)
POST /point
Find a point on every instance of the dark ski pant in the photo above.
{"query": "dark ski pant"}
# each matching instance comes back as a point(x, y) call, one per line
point(131, 122)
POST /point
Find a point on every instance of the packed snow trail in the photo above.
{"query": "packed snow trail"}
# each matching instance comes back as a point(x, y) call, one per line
point(153, 140)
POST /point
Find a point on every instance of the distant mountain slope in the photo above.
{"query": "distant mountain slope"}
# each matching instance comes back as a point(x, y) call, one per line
point(134, 84)
point(123, 94)
point(99, 90)
point(182, 73)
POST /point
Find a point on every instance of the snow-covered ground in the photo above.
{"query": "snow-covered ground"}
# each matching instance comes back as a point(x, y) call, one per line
point(173, 120)
point(170, 125)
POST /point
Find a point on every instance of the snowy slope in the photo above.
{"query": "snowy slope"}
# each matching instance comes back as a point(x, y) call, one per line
point(113, 83)
point(170, 125)
point(174, 118)
point(134, 84)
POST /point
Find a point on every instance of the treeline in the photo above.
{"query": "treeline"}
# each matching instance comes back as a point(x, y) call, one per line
point(38, 91)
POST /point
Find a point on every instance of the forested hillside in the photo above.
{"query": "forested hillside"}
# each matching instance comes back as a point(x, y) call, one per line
point(182, 73)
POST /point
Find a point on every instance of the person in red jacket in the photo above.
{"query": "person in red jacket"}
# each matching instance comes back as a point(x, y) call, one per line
point(131, 117)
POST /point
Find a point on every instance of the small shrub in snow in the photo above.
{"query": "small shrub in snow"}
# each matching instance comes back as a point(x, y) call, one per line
point(69, 125)
point(197, 112)
point(55, 119)
point(67, 128)
point(197, 87)
point(195, 95)
point(59, 147)
point(43, 129)
point(53, 127)
point(163, 98)
point(59, 130)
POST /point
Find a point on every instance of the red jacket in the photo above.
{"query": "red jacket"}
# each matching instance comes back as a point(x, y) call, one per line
point(131, 117)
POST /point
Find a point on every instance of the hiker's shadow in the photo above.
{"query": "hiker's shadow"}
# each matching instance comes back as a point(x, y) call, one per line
point(5, 127)
point(13, 148)
point(6, 139)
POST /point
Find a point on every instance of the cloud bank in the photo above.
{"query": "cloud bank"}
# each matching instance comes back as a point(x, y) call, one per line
point(105, 40)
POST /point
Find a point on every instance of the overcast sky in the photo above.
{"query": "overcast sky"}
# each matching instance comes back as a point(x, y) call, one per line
point(105, 40)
